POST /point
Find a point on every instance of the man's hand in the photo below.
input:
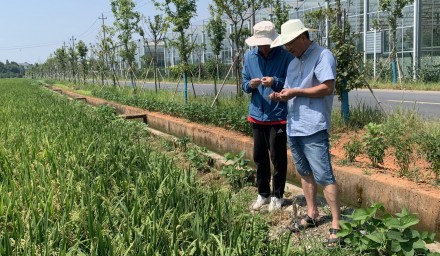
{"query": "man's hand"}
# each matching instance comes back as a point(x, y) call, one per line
point(284, 95)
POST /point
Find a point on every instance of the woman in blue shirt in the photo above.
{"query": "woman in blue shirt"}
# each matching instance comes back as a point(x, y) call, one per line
point(264, 72)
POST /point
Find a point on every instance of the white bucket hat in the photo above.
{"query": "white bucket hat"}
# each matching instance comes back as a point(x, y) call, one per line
point(290, 30)
point(264, 34)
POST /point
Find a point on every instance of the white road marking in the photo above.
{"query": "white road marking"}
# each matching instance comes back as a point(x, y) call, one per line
point(415, 102)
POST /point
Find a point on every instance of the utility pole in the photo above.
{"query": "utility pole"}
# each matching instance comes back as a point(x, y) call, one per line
point(103, 18)
point(64, 59)
point(105, 47)
point(73, 58)
point(73, 42)
point(103, 32)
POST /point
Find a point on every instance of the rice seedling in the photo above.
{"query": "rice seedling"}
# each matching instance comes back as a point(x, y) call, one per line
point(76, 180)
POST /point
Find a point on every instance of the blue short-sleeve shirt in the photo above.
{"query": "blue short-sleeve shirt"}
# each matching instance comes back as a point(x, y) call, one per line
point(306, 115)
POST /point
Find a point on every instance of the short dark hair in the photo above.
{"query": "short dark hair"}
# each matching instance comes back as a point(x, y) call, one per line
point(306, 33)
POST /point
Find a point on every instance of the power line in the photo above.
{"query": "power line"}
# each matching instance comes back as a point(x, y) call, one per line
point(88, 29)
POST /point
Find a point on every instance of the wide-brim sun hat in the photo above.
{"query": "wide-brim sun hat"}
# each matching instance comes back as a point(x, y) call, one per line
point(290, 30)
point(264, 34)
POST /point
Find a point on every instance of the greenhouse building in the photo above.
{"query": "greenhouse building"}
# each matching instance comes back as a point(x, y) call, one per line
point(417, 46)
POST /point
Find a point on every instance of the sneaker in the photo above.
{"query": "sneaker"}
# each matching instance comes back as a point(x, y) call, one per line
point(261, 200)
point(275, 204)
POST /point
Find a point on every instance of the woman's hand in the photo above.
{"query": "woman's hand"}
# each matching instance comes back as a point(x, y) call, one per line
point(254, 83)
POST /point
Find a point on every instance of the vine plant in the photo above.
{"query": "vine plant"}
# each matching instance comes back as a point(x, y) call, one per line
point(387, 235)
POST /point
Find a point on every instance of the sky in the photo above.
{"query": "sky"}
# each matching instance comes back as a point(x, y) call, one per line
point(31, 30)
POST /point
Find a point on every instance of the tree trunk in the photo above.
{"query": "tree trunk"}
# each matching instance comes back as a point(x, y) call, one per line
point(185, 86)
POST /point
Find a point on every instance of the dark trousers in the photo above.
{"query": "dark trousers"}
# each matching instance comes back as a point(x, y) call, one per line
point(270, 145)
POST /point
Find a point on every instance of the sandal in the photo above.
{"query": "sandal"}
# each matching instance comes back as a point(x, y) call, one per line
point(298, 226)
point(333, 242)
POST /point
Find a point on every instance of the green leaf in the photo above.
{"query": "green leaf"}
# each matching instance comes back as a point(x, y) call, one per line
point(345, 225)
point(408, 221)
point(377, 237)
point(395, 246)
point(419, 244)
point(378, 206)
point(430, 238)
point(396, 236)
point(365, 240)
point(348, 240)
point(407, 249)
point(411, 233)
point(363, 213)
point(424, 235)
point(387, 216)
point(392, 223)
point(344, 232)
point(403, 213)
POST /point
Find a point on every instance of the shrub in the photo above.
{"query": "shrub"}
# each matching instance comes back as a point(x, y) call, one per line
point(352, 149)
point(237, 171)
point(199, 159)
point(367, 233)
point(399, 130)
point(430, 145)
point(360, 116)
point(375, 143)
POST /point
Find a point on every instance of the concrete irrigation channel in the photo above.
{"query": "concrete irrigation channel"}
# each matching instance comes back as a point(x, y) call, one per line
point(356, 188)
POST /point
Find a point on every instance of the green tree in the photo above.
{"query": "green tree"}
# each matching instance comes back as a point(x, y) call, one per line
point(106, 51)
point(198, 50)
point(393, 9)
point(317, 20)
point(343, 46)
point(281, 12)
point(158, 27)
point(52, 70)
point(179, 14)
point(239, 12)
point(100, 61)
point(350, 75)
point(126, 24)
point(11, 69)
point(349, 59)
point(73, 59)
point(82, 52)
point(216, 30)
point(61, 58)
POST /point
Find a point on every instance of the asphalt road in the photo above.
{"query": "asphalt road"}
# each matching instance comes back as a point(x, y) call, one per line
point(426, 103)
